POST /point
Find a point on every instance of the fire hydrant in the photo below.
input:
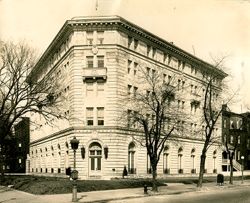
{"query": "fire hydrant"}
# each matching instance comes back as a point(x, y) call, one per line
point(145, 189)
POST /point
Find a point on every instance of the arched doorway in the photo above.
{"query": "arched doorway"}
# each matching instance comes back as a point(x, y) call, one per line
point(95, 158)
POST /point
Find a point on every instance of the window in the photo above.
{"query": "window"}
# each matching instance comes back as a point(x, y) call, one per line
point(165, 56)
point(129, 66)
point(100, 37)
point(179, 84)
point(90, 61)
point(129, 89)
point(153, 119)
point(169, 79)
point(135, 68)
point(248, 143)
point(166, 167)
point(178, 104)
point(131, 158)
point(100, 116)
point(180, 154)
point(100, 89)
point(154, 52)
point(195, 89)
point(129, 114)
point(232, 125)
point(89, 38)
point(148, 50)
point(135, 122)
point(135, 44)
point(183, 104)
point(183, 85)
point(89, 89)
point(164, 78)
point(130, 39)
point(182, 125)
point(192, 127)
point(192, 69)
point(135, 91)
point(153, 73)
point(191, 88)
point(193, 170)
point(100, 61)
point(225, 123)
point(231, 139)
point(89, 116)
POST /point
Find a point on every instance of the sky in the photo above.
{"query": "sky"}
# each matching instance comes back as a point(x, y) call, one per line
point(205, 28)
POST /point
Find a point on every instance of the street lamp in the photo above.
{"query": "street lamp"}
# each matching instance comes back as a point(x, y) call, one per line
point(242, 167)
point(74, 174)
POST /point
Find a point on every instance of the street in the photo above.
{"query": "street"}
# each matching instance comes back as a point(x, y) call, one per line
point(176, 193)
point(230, 195)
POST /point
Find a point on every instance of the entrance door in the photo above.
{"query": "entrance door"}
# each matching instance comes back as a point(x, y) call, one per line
point(95, 159)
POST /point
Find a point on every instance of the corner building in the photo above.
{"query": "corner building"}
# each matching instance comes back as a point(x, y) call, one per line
point(93, 59)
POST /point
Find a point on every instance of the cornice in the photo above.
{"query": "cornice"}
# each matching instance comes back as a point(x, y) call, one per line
point(118, 23)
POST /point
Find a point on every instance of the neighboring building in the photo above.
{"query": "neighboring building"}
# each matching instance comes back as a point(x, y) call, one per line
point(95, 59)
point(16, 148)
point(236, 131)
point(22, 140)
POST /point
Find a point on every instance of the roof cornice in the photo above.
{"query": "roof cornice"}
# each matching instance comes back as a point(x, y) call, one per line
point(119, 23)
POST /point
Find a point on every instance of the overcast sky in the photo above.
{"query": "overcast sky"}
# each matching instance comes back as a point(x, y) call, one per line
point(201, 27)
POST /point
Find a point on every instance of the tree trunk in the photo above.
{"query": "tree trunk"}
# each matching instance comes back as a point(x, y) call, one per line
point(202, 167)
point(1, 167)
point(154, 175)
point(231, 170)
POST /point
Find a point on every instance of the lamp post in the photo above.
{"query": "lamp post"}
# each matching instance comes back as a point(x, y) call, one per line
point(242, 168)
point(74, 174)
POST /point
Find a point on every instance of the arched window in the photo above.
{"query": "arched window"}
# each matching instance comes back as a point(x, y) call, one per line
point(214, 158)
point(193, 170)
point(180, 154)
point(95, 155)
point(166, 168)
point(131, 158)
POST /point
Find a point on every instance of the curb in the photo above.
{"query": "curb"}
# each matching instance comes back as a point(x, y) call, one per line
point(204, 189)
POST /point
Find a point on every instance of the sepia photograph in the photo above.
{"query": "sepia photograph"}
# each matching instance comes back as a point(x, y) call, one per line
point(124, 101)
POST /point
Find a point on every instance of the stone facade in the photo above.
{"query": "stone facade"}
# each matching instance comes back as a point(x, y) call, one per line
point(95, 59)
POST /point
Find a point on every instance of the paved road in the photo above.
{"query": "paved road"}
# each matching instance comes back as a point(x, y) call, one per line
point(230, 195)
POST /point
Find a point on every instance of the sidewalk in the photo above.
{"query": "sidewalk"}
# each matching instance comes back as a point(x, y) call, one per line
point(170, 189)
point(11, 196)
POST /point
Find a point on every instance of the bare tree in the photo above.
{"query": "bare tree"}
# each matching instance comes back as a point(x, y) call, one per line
point(20, 94)
point(212, 109)
point(154, 109)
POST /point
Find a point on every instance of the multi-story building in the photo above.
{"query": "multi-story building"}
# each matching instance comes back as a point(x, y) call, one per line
point(95, 60)
point(16, 148)
point(236, 132)
point(21, 145)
